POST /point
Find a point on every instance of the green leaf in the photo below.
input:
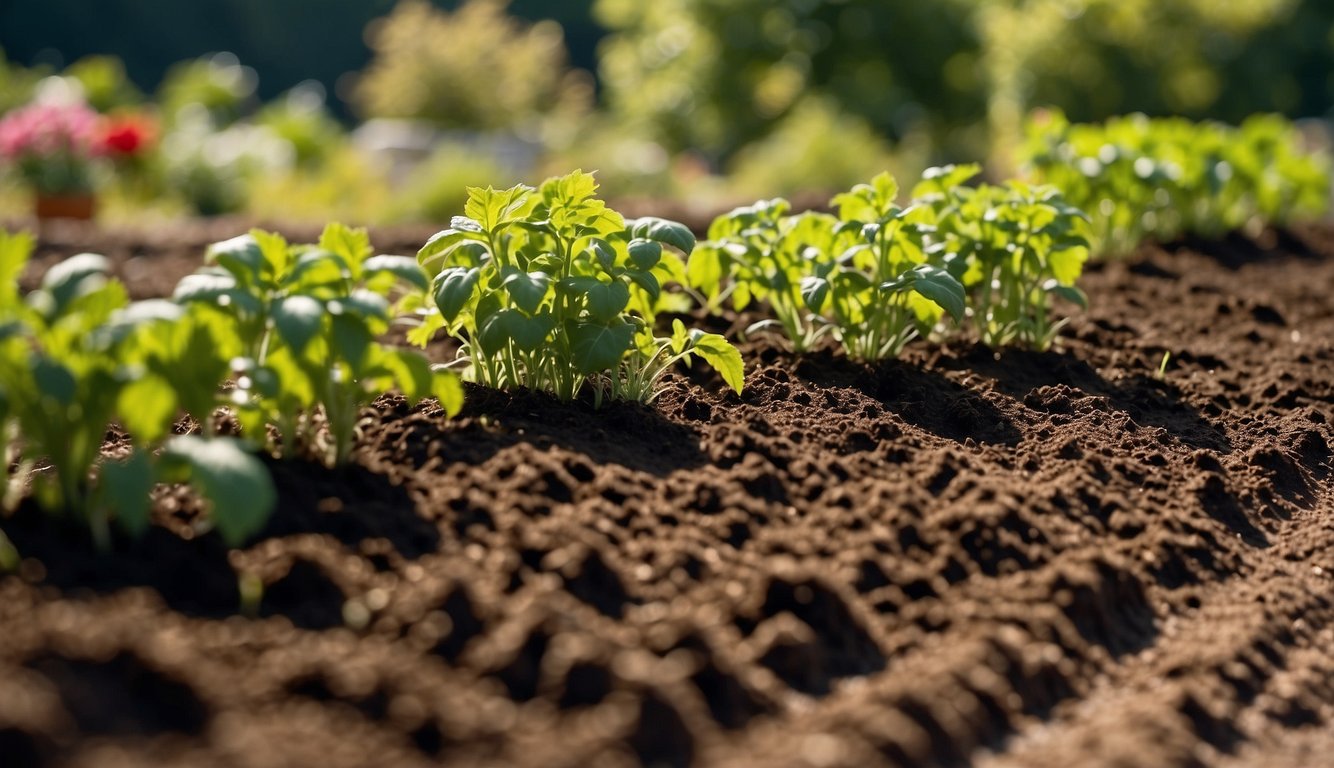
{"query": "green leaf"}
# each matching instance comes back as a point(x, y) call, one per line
point(15, 250)
point(814, 291)
point(1068, 264)
point(598, 347)
point(297, 320)
point(241, 256)
point(662, 231)
point(353, 244)
point(1068, 292)
point(724, 358)
point(603, 253)
point(125, 487)
point(526, 289)
point(362, 303)
point(647, 281)
point(146, 407)
point(526, 333)
point(605, 301)
point(236, 485)
point(453, 289)
point(933, 283)
point(404, 268)
point(74, 277)
point(448, 390)
point(409, 372)
point(319, 267)
point(352, 339)
point(492, 208)
point(644, 254)
point(219, 290)
point(55, 380)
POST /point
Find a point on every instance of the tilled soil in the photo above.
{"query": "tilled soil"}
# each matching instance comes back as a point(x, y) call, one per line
point(1011, 559)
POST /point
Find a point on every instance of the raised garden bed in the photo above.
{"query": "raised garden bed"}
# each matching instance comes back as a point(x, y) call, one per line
point(1020, 558)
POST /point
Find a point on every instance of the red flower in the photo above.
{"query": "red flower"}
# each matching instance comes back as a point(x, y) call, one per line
point(126, 135)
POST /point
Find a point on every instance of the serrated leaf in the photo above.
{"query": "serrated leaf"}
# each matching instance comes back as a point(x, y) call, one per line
point(598, 347)
point(124, 488)
point(297, 320)
point(404, 268)
point(236, 485)
point(453, 289)
point(352, 243)
point(492, 208)
point(663, 231)
point(725, 359)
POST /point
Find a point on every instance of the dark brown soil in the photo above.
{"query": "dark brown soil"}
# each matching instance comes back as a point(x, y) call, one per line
point(959, 558)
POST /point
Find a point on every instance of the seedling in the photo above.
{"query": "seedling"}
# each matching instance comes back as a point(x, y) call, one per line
point(298, 330)
point(550, 289)
point(70, 371)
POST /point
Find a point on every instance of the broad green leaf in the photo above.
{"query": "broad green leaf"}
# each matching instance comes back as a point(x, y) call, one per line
point(236, 485)
point(240, 256)
point(351, 338)
point(404, 268)
point(54, 380)
point(147, 407)
point(15, 250)
point(526, 289)
point(72, 278)
point(319, 267)
point(704, 270)
point(606, 301)
point(409, 372)
point(453, 289)
point(814, 291)
point(598, 347)
point(644, 254)
point(448, 390)
point(441, 242)
point(724, 358)
point(124, 487)
point(933, 283)
point(510, 325)
point(297, 320)
point(362, 303)
point(647, 281)
point(662, 231)
point(1068, 264)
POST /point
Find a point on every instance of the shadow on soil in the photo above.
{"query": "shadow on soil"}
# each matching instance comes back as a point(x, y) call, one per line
point(1148, 401)
point(634, 436)
point(921, 397)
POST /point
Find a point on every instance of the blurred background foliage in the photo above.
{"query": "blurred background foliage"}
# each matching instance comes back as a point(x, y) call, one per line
point(386, 109)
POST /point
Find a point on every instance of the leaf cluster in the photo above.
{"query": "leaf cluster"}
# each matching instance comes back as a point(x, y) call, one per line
point(76, 358)
point(547, 288)
point(876, 275)
point(1166, 177)
point(298, 329)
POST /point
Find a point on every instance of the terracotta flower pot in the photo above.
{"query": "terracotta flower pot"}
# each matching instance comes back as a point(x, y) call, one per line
point(65, 206)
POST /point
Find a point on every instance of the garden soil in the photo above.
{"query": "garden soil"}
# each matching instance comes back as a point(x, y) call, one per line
point(963, 557)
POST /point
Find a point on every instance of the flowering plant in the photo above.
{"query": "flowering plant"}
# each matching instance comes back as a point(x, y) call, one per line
point(52, 146)
point(126, 136)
